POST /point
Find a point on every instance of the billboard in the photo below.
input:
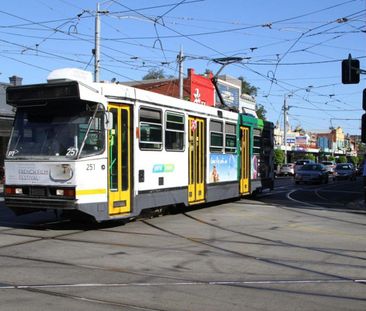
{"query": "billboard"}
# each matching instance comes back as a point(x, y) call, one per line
point(230, 94)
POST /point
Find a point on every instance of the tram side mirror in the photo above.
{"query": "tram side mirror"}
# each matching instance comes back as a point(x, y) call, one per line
point(108, 120)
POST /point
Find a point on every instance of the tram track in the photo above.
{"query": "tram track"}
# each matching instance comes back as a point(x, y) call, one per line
point(103, 302)
point(316, 277)
point(273, 262)
point(273, 242)
point(304, 207)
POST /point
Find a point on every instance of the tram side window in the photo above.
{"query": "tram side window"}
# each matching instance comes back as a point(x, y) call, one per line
point(174, 132)
point(216, 136)
point(257, 134)
point(230, 138)
point(151, 137)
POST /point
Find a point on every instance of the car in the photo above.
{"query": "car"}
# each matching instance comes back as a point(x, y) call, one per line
point(329, 166)
point(287, 169)
point(345, 171)
point(312, 172)
point(300, 163)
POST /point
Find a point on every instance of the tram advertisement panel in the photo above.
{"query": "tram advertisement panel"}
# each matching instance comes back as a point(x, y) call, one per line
point(39, 173)
point(223, 167)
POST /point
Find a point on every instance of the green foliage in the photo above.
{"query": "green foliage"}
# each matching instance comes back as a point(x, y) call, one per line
point(247, 88)
point(261, 112)
point(154, 73)
point(341, 159)
point(279, 156)
point(354, 160)
point(309, 156)
point(360, 159)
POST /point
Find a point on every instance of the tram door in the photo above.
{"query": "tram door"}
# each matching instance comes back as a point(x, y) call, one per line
point(119, 160)
point(197, 160)
point(245, 160)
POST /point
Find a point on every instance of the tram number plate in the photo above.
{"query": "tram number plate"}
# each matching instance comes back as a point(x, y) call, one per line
point(90, 167)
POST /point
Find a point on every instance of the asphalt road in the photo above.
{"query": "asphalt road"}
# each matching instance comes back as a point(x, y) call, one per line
point(295, 248)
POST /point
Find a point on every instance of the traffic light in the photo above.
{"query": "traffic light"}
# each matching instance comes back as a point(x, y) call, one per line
point(363, 128)
point(350, 70)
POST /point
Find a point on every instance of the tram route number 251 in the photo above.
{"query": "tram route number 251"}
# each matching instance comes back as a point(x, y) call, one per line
point(90, 167)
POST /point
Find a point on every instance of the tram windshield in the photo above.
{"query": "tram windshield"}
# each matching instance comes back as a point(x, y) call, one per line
point(72, 130)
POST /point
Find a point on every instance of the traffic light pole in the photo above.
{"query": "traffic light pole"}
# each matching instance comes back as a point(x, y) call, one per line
point(351, 72)
point(285, 109)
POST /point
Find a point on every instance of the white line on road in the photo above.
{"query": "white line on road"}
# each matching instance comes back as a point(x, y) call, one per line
point(263, 282)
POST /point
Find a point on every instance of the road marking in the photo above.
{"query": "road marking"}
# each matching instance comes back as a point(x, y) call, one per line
point(210, 283)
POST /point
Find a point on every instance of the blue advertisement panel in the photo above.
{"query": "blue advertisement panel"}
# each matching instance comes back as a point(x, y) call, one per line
point(223, 167)
point(230, 95)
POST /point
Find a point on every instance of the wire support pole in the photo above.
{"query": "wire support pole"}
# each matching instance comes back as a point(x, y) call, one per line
point(285, 109)
point(181, 82)
point(97, 46)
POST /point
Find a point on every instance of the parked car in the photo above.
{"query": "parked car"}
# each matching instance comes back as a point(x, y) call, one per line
point(287, 169)
point(312, 172)
point(345, 171)
point(329, 166)
point(300, 163)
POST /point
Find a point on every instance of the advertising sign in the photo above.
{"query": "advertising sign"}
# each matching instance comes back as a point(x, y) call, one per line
point(223, 167)
point(230, 95)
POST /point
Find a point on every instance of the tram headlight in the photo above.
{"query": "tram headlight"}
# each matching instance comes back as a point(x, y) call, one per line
point(60, 192)
point(18, 190)
point(65, 192)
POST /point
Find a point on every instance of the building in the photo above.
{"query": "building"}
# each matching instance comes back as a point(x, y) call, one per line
point(319, 143)
point(196, 88)
point(200, 89)
point(6, 116)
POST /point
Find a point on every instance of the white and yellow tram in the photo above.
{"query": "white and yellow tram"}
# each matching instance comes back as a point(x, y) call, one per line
point(110, 150)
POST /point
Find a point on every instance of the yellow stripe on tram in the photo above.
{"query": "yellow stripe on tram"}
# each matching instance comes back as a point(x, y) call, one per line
point(91, 191)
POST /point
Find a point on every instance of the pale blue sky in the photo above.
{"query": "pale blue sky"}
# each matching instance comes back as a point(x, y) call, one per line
point(289, 46)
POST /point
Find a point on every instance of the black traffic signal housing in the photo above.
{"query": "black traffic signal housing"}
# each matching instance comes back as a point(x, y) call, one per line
point(363, 128)
point(350, 70)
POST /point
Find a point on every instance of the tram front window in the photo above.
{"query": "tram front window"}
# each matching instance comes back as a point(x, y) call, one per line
point(57, 130)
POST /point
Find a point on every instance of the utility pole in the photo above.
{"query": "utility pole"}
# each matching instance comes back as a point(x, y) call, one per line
point(180, 59)
point(96, 50)
point(285, 109)
point(97, 44)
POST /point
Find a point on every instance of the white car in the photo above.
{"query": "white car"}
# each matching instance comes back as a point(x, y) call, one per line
point(287, 169)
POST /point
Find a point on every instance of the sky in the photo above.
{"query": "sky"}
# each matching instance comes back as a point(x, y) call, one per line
point(288, 49)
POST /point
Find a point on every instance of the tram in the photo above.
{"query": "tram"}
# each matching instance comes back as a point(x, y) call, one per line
point(110, 151)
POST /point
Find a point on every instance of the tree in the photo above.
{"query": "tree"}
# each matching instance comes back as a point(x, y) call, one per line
point(342, 159)
point(354, 160)
point(309, 156)
point(154, 73)
point(261, 112)
point(247, 88)
point(279, 157)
